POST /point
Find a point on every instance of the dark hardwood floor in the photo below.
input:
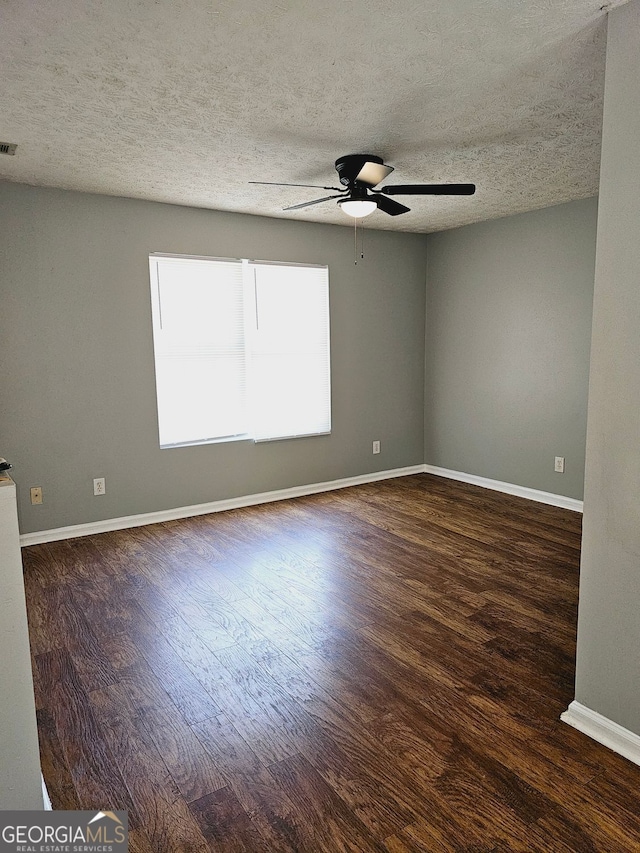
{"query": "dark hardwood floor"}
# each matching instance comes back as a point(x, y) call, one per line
point(380, 668)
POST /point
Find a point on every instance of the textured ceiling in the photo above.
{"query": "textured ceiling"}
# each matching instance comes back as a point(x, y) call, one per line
point(185, 101)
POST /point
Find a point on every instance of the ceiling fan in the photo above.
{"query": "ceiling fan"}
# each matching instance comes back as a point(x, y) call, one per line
point(359, 175)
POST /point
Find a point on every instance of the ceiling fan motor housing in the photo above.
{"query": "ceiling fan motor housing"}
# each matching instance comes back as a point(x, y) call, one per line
point(358, 192)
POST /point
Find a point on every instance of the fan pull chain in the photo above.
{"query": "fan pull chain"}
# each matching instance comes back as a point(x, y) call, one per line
point(355, 241)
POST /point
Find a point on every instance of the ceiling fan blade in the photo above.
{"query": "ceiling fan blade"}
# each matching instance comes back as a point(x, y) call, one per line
point(429, 189)
point(372, 173)
point(388, 205)
point(311, 186)
point(309, 203)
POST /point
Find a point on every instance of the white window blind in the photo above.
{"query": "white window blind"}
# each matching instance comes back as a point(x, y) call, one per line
point(241, 349)
point(199, 334)
point(290, 370)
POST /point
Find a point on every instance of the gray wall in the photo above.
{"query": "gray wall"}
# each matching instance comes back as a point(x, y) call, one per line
point(78, 394)
point(608, 661)
point(507, 346)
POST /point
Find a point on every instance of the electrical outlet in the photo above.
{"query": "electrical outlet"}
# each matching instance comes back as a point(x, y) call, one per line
point(99, 486)
point(36, 495)
point(559, 468)
point(376, 447)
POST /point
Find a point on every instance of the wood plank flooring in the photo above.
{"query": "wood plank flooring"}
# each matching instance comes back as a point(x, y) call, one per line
point(380, 668)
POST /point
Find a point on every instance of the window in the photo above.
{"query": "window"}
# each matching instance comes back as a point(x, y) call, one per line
point(241, 349)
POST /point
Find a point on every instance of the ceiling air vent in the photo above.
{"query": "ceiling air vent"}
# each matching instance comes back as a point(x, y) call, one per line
point(8, 147)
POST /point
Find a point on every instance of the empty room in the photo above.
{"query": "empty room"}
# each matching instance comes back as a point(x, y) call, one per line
point(319, 425)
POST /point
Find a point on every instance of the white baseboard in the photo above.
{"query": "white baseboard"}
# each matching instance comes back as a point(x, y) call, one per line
point(125, 522)
point(603, 730)
point(507, 488)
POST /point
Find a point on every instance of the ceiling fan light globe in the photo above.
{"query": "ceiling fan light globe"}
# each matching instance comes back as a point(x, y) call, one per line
point(358, 208)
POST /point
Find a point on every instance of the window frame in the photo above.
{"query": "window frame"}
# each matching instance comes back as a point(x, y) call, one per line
point(250, 311)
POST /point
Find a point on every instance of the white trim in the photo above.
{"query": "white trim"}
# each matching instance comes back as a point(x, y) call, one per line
point(259, 263)
point(194, 257)
point(46, 799)
point(507, 488)
point(603, 730)
point(124, 522)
